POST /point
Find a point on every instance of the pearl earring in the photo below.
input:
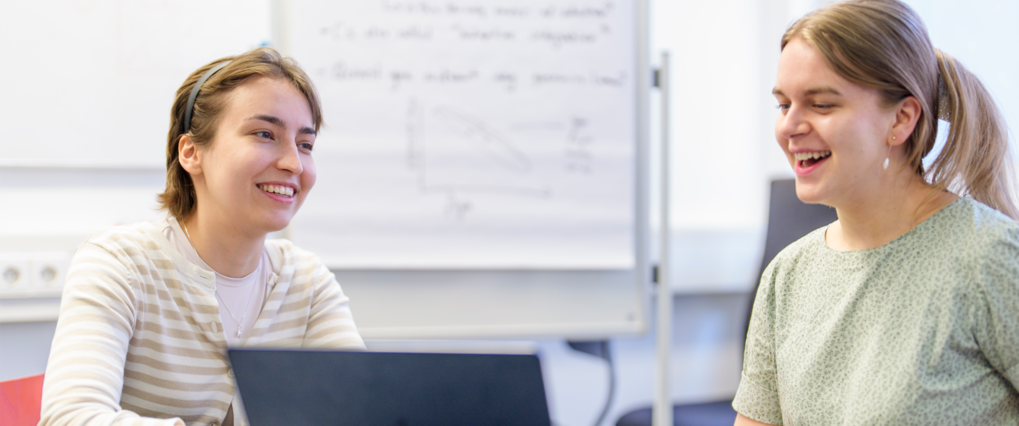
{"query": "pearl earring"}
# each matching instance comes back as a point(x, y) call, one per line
point(889, 154)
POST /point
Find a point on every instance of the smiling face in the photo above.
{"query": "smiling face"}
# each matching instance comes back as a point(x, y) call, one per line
point(258, 169)
point(834, 132)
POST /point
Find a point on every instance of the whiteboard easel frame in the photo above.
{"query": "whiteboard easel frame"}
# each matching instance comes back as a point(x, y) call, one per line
point(446, 289)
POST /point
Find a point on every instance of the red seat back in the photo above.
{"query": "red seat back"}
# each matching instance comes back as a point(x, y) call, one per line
point(21, 401)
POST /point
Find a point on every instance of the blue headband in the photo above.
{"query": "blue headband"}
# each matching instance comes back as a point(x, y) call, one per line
point(194, 94)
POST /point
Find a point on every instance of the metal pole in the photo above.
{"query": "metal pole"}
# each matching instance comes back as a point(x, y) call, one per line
point(662, 410)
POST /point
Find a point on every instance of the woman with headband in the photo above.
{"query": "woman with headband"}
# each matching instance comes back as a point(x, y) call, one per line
point(149, 309)
point(906, 309)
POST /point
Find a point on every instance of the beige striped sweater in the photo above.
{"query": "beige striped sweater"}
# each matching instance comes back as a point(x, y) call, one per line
point(139, 339)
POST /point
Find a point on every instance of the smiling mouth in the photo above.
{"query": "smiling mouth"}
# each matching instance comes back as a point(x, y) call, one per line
point(807, 159)
point(280, 190)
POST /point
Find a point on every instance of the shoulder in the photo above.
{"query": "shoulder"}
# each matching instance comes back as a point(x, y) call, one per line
point(287, 258)
point(792, 266)
point(976, 231)
point(973, 216)
point(991, 240)
point(114, 260)
point(125, 242)
point(968, 247)
point(802, 250)
point(290, 252)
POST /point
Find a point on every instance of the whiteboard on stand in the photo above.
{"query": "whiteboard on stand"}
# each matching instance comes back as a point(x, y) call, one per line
point(481, 172)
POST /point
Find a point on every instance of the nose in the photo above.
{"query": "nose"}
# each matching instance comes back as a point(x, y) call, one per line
point(792, 123)
point(290, 159)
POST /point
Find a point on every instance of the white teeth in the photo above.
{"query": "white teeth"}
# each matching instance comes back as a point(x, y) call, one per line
point(800, 156)
point(285, 191)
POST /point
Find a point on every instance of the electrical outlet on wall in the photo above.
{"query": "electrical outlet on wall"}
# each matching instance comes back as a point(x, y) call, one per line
point(33, 275)
point(14, 272)
point(47, 270)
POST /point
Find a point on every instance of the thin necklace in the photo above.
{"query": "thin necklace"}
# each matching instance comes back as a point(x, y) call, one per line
point(240, 324)
point(187, 234)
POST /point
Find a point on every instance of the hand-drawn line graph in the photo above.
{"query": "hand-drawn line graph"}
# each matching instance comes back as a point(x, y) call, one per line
point(477, 131)
point(457, 153)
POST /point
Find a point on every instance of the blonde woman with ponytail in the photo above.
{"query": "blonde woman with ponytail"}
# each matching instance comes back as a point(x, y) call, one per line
point(906, 309)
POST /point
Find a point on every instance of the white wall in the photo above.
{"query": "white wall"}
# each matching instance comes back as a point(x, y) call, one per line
point(983, 36)
point(724, 57)
point(24, 348)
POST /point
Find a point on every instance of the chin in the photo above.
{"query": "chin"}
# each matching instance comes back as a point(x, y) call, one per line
point(809, 193)
point(276, 227)
point(275, 224)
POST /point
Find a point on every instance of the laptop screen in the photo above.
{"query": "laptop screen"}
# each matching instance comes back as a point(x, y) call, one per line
point(302, 387)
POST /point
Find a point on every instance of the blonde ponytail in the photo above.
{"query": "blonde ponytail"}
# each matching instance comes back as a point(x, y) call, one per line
point(976, 158)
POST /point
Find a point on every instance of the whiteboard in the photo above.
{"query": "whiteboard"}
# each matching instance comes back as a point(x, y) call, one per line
point(472, 134)
point(482, 172)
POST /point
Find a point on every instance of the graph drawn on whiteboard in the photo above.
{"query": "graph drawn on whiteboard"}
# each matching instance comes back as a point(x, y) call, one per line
point(471, 134)
point(442, 139)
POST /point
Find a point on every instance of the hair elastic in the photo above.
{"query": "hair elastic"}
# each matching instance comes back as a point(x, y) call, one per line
point(194, 94)
point(944, 100)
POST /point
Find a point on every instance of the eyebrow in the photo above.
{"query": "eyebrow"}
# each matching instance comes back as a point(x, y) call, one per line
point(278, 122)
point(822, 89)
point(810, 92)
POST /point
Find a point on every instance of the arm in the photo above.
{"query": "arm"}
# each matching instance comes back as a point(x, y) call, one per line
point(746, 421)
point(330, 323)
point(757, 394)
point(997, 324)
point(85, 371)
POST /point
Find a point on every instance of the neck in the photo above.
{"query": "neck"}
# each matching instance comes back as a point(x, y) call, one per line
point(885, 211)
point(229, 252)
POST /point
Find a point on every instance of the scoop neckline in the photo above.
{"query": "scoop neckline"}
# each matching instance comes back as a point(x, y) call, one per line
point(898, 240)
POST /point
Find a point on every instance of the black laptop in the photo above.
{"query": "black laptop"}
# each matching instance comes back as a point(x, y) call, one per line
point(305, 388)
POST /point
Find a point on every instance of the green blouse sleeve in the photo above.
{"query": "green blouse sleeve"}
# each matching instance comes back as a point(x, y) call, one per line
point(757, 395)
point(997, 321)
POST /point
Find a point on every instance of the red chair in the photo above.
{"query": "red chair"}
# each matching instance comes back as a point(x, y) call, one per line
point(21, 401)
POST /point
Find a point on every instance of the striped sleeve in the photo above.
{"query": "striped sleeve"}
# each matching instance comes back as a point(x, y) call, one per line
point(330, 322)
point(85, 371)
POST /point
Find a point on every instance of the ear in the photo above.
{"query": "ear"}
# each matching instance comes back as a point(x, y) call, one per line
point(189, 156)
point(907, 113)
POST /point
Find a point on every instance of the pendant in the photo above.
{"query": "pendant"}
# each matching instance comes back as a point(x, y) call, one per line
point(238, 333)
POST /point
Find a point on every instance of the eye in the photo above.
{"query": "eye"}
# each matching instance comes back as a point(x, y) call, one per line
point(823, 106)
point(782, 107)
point(307, 146)
point(264, 134)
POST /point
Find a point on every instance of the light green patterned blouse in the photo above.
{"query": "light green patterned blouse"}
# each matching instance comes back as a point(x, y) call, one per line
point(923, 330)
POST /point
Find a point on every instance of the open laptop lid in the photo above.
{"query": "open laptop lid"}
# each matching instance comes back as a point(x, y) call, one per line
point(301, 387)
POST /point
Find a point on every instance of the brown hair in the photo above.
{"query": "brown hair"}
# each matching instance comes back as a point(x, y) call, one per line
point(883, 44)
point(179, 198)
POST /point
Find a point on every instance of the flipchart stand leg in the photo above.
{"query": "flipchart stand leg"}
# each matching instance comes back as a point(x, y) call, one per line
point(662, 408)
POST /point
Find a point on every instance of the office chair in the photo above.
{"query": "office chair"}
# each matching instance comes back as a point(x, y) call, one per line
point(21, 401)
point(789, 219)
